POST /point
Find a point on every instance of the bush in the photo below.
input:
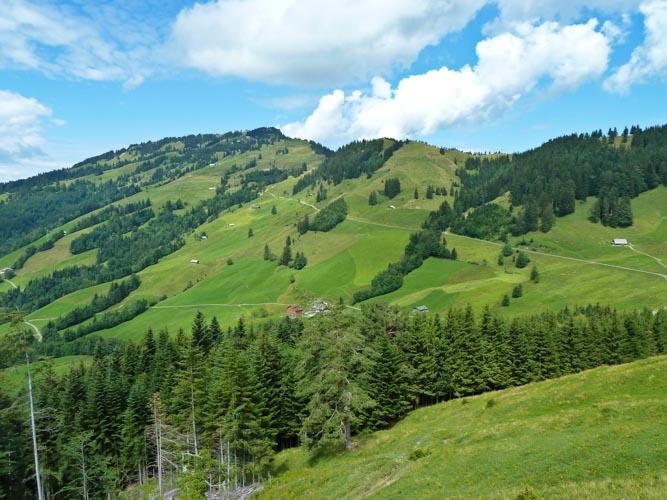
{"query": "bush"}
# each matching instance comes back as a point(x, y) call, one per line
point(418, 453)
point(330, 216)
point(490, 403)
point(528, 494)
point(522, 260)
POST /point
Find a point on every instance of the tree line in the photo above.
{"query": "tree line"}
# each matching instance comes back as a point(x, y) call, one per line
point(428, 242)
point(547, 181)
point(350, 162)
point(210, 409)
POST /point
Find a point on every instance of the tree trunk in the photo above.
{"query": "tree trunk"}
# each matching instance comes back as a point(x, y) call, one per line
point(38, 479)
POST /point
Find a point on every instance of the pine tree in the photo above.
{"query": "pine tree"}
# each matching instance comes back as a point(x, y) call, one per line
point(303, 225)
point(187, 404)
point(286, 257)
point(624, 212)
point(547, 219)
point(201, 336)
point(250, 233)
point(388, 384)
point(522, 260)
point(332, 353)
point(300, 261)
point(507, 250)
point(506, 301)
point(534, 275)
point(517, 291)
point(133, 454)
point(215, 332)
point(373, 198)
point(416, 196)
point(274, 211)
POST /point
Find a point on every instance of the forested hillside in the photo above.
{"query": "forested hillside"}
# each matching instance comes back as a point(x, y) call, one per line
point(546, 182)
point(211, 407)
point(411, 275)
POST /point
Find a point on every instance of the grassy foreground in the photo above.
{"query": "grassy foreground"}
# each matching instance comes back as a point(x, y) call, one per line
point(597, 434)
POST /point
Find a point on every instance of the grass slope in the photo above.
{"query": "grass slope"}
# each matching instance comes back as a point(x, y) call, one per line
point(597, 434)
point(345, 259)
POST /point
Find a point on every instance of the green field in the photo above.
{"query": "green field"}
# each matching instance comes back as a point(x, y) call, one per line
point(15, 378)
point(576, 261)
point(598, 434)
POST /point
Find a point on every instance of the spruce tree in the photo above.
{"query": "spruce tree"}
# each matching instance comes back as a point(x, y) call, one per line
point(286, 257)
point(332, 353)
point(215, 332)
point(507, 250)
point(201, 336)
point(522, 260)
point(534, 275)
point(388, 384)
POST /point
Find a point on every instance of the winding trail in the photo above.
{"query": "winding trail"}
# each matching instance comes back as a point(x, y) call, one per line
point(575, 259)
point(11, 282)
point(536, 252)
point(248, 304)
point(659, 261)
point(38, 334)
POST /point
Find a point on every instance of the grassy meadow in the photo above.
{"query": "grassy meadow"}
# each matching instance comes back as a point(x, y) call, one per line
point(345, 259)
point(597, 434)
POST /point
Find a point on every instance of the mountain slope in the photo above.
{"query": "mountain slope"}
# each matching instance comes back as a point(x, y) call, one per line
point(345, 259)
point(597, 434)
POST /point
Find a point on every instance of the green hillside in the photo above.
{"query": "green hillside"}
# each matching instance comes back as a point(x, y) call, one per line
point(597, 434)
point(345, 259)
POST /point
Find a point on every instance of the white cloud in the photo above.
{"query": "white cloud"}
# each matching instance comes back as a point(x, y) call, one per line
point(21, 121)
point(60, 41)
point(312, 41)
point(648, 59)
point(514, 11)
point(510, 65)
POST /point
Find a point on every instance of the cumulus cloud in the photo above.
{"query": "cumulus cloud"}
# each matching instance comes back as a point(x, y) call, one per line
point(509, 66)
point(21, 122)
point(650, 58)
point(312, 41)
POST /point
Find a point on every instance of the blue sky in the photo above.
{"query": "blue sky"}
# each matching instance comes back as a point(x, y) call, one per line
point(80, 77)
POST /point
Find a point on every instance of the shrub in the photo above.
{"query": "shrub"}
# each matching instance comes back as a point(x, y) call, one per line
point(418, 453)
point(522, 260)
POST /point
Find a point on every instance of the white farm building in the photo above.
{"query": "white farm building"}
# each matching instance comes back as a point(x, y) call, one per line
point(619, 242)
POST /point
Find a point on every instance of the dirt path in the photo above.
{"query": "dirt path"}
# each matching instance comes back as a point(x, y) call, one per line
point(536, 252)
point(250, 304)
point(38, 334)
point(11, 283)
point(575, 259)
point(659, 261)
